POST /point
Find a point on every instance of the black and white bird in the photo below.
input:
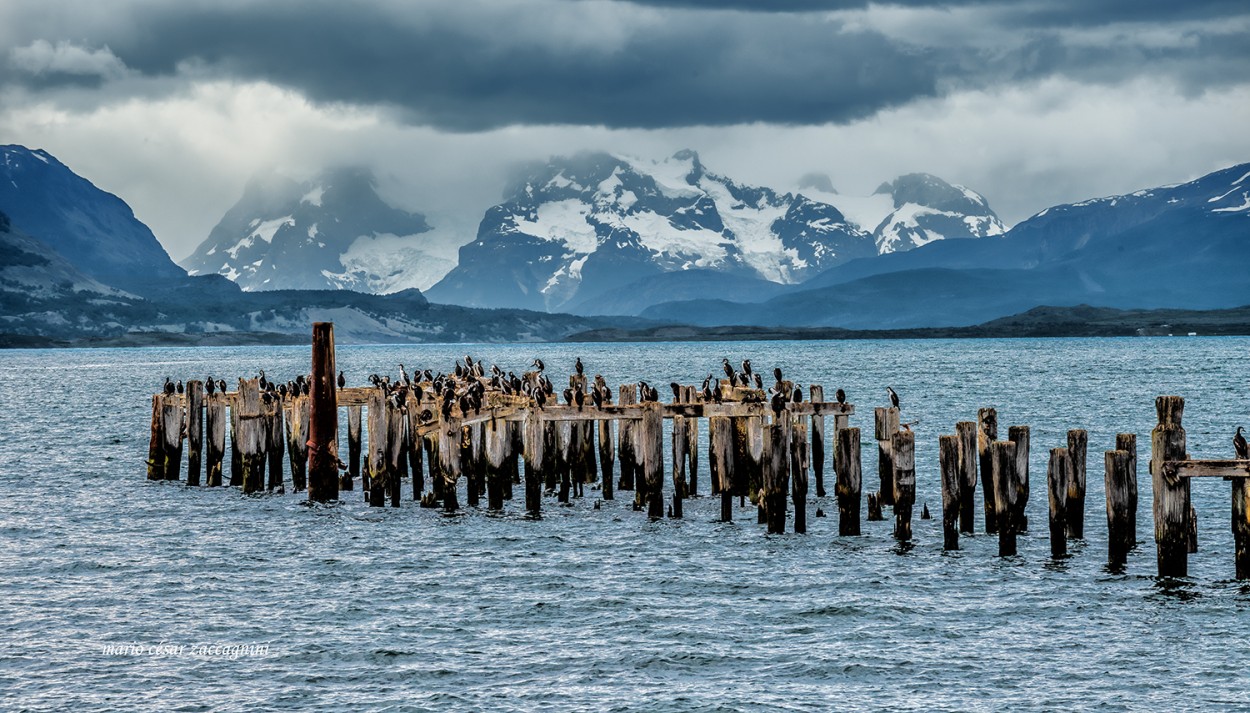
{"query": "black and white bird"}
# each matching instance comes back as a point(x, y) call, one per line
point(263, 381)
point(210, 386)
point(893, 397)
point(180, 387)
point(1239, 445)
point(538, 364)
point(840, 396)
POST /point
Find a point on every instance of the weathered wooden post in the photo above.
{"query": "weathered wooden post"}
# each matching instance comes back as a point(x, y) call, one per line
point(236, 455)
point(251, 436)
point(1057, 489)
point(375, 461)
point(1171, 493)
point(987, 433)
point(626, 432)
point(497, 441)
point(353, 448)
point(323, 418)
point(1120, 538)
point(215, 428)
point(903, 457)
point(966, 432)
point(885, 424)
point(172, 420)
point(1078, 440)
point(449, 436)
point(652, 442)
point(776, 473)
point(816, 394)
point(274, 446)
point(679, 444)
point(534, 458)
point(874, 508)
point(1241, 526)
point(156, 446)
point(952, 480)
point(720, 463)
point(297, 440)
point(1128, 442)
point(414, 445)
point(846, 466)
point(1019, 435)
point(395, 452)
point(798, 473)
point(195, 430)
point(692, 446)
point(1002, 473)
point(607, 458)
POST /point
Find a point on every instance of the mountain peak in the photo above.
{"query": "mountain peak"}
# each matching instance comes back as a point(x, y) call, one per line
point(818, 182)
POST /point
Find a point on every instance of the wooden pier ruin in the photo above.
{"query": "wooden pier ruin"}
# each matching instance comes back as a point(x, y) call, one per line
point(762, 445)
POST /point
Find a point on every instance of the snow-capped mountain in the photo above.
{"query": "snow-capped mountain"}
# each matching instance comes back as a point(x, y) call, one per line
point(94, 231)
point(586, 225)
point(332, 232)
point(912, 210)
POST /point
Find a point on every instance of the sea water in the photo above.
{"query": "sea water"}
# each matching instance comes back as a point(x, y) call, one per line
point(119, 593)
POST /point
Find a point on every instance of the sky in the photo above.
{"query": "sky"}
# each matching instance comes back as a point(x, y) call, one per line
point(174, 104)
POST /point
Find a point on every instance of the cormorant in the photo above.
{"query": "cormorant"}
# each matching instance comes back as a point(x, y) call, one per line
point(759, 383)
point(403, 375)
point(169, 386)
point(840, 396)
point(676, 387)
point(597, 397)
point(538, 364)
point(729, 371)
point(1239, 445)
point(221, 385)
point(893, 397)
point(180, 387)
point(568, 396)
point(579, 398)
point(210, 386)
point(778, 403)
point(540, 398)
point(577, 365)
point(342, 380)
point(263, 381)
point(798, 394)
point(777, 374)
point(746, 367)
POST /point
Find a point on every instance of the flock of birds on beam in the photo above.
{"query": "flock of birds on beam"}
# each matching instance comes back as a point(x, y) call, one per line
point(466, 386)
point(467, 383)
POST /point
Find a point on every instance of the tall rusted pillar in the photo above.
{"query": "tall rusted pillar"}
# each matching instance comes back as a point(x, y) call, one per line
point(323, 481)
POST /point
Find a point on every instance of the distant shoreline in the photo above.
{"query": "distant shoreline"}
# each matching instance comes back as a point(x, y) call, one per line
point(1040, 322)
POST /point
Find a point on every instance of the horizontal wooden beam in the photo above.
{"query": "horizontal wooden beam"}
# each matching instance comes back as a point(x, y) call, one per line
point(1207, 468)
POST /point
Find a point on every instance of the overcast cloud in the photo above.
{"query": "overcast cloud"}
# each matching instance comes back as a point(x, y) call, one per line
point(172, 105)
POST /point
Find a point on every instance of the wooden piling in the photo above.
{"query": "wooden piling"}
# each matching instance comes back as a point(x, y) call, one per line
point(885, 425)
point(275, 444)
point(251, 436)
point(215, 432)
point(776, 473)
point(1078, 440)
point(692, 447)
point(1057, 490)
point(846, 467)
point(1003, 474)
point(874, 508)
point(678, 443)
point(987, 433)
point(626, 429)
point(449, 436)
point(966, 433)
point(375, 460)
point(323, 418)
point(1171, 493)
point(353, 449)
point(652, 441)
point(534, 458)
point(497, 443)
point(816, 394)
point(1019, 435)
point(798, 473)
point(607, 458)
point(195, 430)
point(396, 456)
point(414, 444)
point(720, 463)
point(1128, 442)
point(236, 455)
point(952, 480)
point(1120, 537)
point(156, 446)
point(1241, 526)
point(903, 458)
point(297, 424)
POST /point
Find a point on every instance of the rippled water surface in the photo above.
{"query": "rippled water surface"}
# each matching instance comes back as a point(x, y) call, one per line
point(409, 609)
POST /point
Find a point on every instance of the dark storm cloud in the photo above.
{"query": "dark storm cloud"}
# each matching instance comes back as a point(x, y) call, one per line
point(644, 64)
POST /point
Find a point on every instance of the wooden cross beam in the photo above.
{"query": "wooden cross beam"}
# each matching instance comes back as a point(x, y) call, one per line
point(1226, 469)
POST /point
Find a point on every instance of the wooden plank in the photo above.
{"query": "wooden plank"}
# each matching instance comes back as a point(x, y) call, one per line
point(1207, 469)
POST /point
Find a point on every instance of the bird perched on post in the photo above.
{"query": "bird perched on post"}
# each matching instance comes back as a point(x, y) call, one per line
point(210, 386)
point(840, 396)
point(342, 380)
point(893, 397)
point(577, 366)
point(729, 372)
point(1239, 445)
